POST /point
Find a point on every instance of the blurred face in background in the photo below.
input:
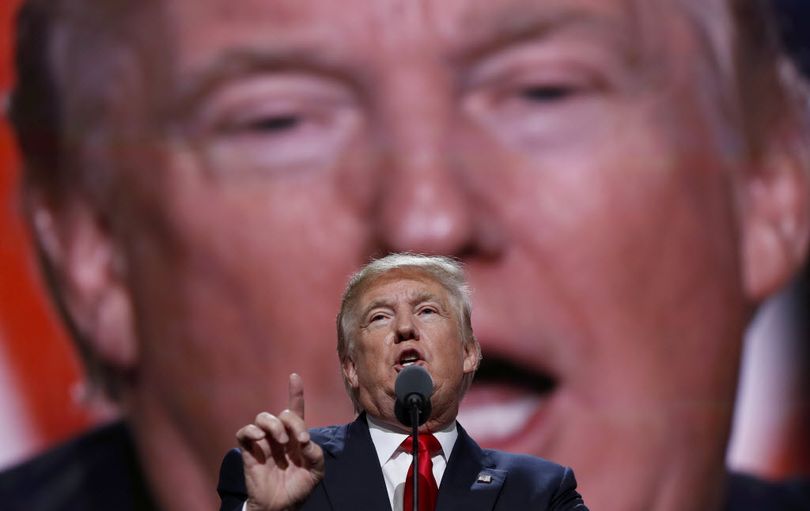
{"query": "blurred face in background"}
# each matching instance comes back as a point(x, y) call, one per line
point(572, 153)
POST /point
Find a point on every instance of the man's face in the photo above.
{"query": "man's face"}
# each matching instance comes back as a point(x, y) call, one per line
point(567, 151)
point(403, 318)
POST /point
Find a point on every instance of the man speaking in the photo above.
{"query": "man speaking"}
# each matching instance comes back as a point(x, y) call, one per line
point(398, 311)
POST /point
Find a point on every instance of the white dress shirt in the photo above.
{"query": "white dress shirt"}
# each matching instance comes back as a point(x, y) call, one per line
point(396, 461)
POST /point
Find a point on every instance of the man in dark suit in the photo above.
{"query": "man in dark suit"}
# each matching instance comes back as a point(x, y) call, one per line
point(398, 311)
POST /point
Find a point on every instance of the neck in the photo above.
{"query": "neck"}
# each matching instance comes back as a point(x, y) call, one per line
point(174, 472)
point(431, 426)
point(692, 490)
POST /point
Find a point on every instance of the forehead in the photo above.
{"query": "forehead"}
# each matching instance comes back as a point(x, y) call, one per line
point(365, 31)
point(402, 284)
point(385, 19)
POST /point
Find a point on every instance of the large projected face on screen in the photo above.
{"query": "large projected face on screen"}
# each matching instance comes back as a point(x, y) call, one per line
point(586, 160)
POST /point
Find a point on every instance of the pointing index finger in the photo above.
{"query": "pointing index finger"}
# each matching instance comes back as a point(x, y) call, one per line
point(296, 388)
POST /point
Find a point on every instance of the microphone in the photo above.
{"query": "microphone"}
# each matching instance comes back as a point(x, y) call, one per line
point(413, 389)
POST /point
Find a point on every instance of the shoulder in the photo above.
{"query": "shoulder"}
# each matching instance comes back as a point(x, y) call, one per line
point(746, 492)
point(87, 473)
point(528, 477)
point(327, 434)
point(333, 439)
point(525, 466)
point(534, 482)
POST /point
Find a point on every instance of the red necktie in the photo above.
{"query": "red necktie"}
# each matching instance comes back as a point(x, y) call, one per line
point(428, 489)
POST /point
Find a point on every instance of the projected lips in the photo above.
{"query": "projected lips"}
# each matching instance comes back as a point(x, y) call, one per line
point(505, 402)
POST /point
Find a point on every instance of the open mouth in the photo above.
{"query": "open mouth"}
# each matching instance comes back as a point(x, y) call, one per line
point(407, 358)
point(506, 401)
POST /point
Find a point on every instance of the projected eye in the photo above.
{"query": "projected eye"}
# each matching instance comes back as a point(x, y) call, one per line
point(538, 93)
point(547, 93)
point(274, 123)
point(533, 104)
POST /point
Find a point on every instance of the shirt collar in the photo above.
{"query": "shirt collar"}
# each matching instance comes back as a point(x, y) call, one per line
point(387, 441)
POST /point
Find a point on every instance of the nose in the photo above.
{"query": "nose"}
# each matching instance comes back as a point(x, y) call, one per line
point(423, 209)
point(406, 329)
point(421, 203)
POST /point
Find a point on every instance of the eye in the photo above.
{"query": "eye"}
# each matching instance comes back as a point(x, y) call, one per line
point(534, 107)
point(272, 126)
point(275, 123)
point(377, 316)
point(546, 93)
point(428, 310)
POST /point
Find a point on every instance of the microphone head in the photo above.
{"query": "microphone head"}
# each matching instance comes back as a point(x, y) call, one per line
point(413, 387)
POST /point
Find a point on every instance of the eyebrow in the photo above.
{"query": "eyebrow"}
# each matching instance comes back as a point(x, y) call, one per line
point(417, 298)
point(518, 24)
point(484, 35)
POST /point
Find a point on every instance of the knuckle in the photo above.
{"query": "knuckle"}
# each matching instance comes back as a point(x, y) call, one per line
point(267, 420)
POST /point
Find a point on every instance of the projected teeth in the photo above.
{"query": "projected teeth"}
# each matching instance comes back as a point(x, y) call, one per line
point(496, 421)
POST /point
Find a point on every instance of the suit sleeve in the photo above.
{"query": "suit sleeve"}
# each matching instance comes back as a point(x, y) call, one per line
point(566, 497)
point(231, 488)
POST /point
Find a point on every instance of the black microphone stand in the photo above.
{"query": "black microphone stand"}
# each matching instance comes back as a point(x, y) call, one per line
point(413, 402)
point(413, 388)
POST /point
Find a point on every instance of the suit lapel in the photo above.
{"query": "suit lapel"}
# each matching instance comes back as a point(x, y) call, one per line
point(353, 479)
point(470, 481)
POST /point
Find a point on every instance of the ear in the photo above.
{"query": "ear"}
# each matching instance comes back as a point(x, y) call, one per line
point(774, 211)
point(88, 275)
point(350, 372)
point(472, 356)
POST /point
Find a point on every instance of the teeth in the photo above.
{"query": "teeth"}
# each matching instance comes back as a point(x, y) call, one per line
point(406, 364)
point(496, 421)
point(410, 359)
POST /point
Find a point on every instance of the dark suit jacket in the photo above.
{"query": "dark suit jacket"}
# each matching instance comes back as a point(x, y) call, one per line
point(354, 480)
point(749, 493)
point(98, 471)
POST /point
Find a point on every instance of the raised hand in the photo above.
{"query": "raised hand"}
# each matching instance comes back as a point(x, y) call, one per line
point(282, 464)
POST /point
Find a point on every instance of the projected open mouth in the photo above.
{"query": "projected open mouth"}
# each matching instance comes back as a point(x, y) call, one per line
point(505, 402)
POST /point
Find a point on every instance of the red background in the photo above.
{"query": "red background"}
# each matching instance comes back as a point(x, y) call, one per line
point(44, 366)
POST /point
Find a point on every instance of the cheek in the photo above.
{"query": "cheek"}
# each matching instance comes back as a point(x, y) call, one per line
point(369, 351)
point(234, 288)
point(625, 251)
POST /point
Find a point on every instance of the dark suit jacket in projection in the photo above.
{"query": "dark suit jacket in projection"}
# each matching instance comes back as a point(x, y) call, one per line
point(354, 480)
point(98, 471)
